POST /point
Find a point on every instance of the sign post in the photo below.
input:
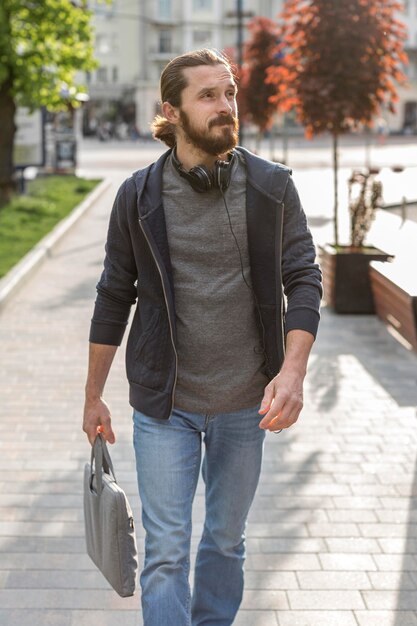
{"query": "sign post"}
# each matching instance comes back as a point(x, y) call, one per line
point(29, 143)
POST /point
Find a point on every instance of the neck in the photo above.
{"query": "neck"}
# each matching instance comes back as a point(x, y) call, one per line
point(189, 156)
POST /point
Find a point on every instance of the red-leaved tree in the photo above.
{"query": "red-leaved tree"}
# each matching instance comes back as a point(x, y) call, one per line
point(342, 61)
point(255, 95)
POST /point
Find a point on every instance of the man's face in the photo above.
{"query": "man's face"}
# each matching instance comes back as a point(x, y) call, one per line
point(208, 111)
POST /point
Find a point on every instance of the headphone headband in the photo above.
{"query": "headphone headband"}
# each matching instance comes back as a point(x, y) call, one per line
point(201, 178)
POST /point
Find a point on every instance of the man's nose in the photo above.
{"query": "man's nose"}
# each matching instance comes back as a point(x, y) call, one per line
point(225, 105)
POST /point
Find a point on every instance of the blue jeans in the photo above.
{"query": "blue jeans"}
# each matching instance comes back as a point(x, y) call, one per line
point(168, 459)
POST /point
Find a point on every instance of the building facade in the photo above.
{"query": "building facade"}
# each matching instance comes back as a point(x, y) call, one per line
point(405, 118)
point(135, 39)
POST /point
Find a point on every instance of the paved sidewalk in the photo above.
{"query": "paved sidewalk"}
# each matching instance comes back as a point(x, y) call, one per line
point(333, 533)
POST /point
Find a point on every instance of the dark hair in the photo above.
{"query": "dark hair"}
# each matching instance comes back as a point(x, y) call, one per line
point(173, 82)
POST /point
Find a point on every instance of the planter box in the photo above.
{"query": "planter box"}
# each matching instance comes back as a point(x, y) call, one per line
point(395, 294)
point(346, 283)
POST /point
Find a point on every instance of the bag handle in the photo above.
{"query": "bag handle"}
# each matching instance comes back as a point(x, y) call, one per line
point(100, 459)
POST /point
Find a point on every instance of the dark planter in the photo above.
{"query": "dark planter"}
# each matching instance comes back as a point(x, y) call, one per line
point(346, 283)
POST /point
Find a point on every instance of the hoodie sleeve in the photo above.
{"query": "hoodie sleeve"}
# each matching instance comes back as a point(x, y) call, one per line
point(301, 276)
point(116, 289)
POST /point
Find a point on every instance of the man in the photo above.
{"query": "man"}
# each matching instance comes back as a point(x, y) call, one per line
point(204, 239)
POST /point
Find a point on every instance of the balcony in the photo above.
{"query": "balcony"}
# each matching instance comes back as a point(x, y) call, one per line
point(160, 54)
point(164, 20)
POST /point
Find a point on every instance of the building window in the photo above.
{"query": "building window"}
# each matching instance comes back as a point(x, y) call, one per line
point(103, 44)
point(102, 75)
point(115, 74)
point(106, 44)
point(104, 9)
point(202, 38)
point(165, 8)
point(165, 40)
point(202, 5)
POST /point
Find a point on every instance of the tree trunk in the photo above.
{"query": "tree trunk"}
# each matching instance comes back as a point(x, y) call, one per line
point(258, 141)
point(7, 113)
point(284, 140)
point(368, 139)
point(336, 188)
point(272, 143)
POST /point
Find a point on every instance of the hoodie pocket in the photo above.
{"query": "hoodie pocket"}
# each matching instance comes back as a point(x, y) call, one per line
point(146, 341)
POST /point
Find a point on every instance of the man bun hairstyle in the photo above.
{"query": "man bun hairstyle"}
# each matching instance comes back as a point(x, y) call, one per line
point(173, 82)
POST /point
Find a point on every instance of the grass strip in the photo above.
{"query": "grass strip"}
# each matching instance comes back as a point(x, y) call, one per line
point(28, 218)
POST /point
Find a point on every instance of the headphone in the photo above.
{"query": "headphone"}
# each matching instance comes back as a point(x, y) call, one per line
point(202, 179)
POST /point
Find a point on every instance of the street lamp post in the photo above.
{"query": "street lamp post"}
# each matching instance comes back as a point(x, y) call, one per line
point(240, 14)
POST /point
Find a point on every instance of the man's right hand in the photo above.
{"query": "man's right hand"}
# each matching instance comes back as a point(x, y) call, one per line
point(97, 419)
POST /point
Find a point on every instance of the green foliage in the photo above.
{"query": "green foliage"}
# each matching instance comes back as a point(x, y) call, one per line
point(26, 219)
point(43, 43)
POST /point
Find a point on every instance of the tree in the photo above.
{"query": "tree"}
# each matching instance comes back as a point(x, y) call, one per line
point(42, 44)
point(342, 60)
point(259, 54)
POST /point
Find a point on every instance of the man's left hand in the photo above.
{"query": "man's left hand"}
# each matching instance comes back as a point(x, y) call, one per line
point(282, 401)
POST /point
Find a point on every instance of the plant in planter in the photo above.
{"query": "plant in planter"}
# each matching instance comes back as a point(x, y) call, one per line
point(346, 268)
point(362, 207)
point(340, 64)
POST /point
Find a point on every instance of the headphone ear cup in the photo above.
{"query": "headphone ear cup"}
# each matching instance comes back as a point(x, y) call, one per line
point(223, 172)
point(200, 179)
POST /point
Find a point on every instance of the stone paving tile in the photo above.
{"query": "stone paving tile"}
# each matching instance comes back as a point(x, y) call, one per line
point(353, 516)
point(297, 516)
point(333, 530)
point(334, 580)
point(106, 618)
point(330, 600)
point(271, 599)
point(392, 580)
point(316, 618)
point(386, 618)
point(391, 600)
point(332, 533)
point(259, 579)
point(21, 617)
point(55, 579)
point(352, 544)
point(70, 618)
point(395, 562)
point(65, 599)
point(271, 529)
point(382, 530)
point(302, 544)
point(256, 618)
point(283, 562)
point(348, 562)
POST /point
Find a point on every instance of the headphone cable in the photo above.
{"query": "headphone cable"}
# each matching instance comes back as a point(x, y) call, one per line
point(258, 308)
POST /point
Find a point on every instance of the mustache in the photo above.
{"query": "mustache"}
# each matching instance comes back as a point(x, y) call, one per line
point(223, 119)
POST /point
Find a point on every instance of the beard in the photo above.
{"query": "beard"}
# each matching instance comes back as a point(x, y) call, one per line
point(202, 140)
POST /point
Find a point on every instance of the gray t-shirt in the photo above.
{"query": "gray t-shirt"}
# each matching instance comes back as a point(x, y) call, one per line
point(220, 357)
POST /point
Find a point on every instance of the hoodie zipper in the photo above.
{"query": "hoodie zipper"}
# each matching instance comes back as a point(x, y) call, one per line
point(281, 347)
point(167, 308)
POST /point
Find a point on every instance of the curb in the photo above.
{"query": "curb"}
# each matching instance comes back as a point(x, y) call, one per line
point(21, 272)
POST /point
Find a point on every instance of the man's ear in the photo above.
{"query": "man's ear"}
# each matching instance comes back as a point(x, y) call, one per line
point(171, 113)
